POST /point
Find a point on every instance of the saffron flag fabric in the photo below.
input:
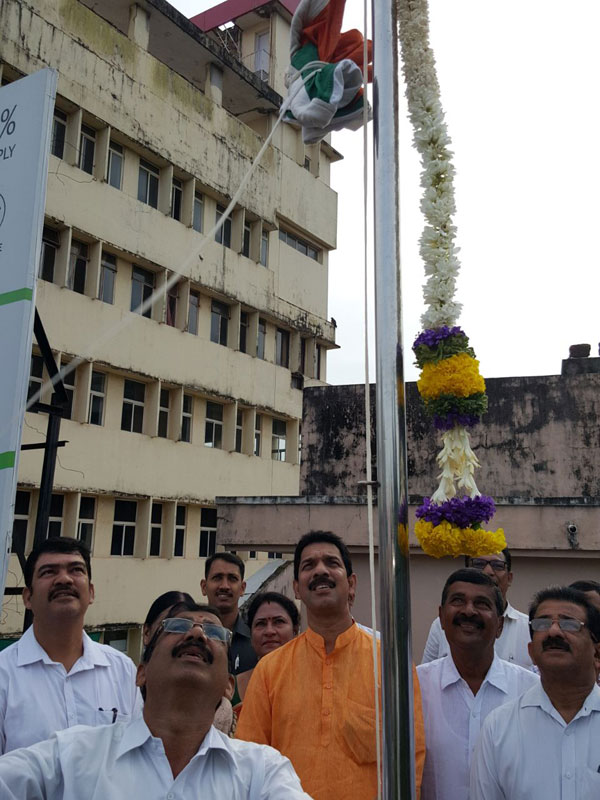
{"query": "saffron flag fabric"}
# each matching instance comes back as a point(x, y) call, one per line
point(325, 76)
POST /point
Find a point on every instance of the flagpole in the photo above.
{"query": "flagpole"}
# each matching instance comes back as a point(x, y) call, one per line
point(396, 661)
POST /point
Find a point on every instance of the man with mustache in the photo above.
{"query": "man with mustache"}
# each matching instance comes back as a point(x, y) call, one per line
point(55, 676)
point(511, 645)
point(314, 698)
point(173, 750)
point(546, 744)
point(224, 584)
point(462, 688)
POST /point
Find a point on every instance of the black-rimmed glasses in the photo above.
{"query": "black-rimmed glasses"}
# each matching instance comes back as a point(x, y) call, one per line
point(481, 563)
point(182, 625)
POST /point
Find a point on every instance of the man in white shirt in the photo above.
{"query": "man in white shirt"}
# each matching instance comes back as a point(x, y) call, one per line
point(55, 676)
point(173, 751)
point(546, 744)
point(512, 645)
point(459, 690)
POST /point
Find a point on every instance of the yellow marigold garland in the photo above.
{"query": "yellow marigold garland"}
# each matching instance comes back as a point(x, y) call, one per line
point(446, 539)
point(457, 375)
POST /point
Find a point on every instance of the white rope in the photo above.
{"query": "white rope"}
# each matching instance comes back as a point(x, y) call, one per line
point(369, 471)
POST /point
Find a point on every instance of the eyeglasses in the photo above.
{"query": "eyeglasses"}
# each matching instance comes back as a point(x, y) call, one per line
point(216, 633)
point(482, 563)
point(567, 624)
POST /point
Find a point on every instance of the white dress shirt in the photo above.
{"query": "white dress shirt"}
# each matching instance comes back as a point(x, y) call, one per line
point(125, 762)
point(39, 697)
point(528, 752)
point(511, 646)
point(453, 717)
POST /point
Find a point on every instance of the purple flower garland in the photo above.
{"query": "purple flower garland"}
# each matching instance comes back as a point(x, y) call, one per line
point(464, 512)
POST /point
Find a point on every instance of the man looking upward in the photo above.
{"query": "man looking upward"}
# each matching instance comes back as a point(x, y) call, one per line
point(224, 584)
point(546, 744)
point(313, 699)
point(459, 690)
point(513, 642)
point(55, 676)
point(173, 751)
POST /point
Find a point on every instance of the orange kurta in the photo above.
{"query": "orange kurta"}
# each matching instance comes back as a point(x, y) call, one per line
point(318, 709)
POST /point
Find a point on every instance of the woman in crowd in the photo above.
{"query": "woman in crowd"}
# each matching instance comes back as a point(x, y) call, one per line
point(273, 620)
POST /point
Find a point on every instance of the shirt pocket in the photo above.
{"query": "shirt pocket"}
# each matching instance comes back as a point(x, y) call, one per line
point(590, 783)
point(110, 715)
point(358, 732)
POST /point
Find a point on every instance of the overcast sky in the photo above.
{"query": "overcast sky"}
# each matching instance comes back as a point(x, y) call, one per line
point(519, 82)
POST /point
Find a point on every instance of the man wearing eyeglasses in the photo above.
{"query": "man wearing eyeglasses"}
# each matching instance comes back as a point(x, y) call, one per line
point(546, 744)
point(173, 751)
point(513, 643)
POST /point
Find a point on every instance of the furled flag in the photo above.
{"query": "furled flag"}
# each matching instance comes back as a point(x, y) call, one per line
point(325, 77)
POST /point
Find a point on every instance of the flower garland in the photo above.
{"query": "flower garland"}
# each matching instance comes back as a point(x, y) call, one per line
point(452, 389)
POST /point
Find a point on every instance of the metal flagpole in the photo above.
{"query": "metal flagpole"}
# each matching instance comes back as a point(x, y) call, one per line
point(396, 661)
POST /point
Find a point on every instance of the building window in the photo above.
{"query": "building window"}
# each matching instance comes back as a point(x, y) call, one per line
point(77, 266)
point(172, 300)
point(244, 322)
point(193, 310)
point(223, 235)
point(156, 529)
point(246, 240)
point(68, 380)
point(282, 348)
point(20, 521)
point(257, 434)
point(85, 523)
point(219, 320)
point(307, 163)
point(213, 431)
point(278, 440)
point(115, 638)
point(318, 361)
point(301, 245)
point(252, 554)
point(163, 413)
point(132, 416)
point(264, 248)
point(260, 342)
point(186, 418)
point(176, 198)
point(142, 287)
point(123, 532)
point(97, 394)
point(179, 543)
point(108, 275)
point(148, 183)
point(262, 55)
point(50, 245)
point(198, 221)
point(114, 173)
point(239, 430)
point(271, 554)
point(208, 532)
point(59, 130)
point(36, 379)
point(87, 145)
point(55, 519)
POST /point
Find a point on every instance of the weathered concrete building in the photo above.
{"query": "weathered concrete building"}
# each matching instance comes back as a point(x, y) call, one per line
point(155, 125)
point(539, 448)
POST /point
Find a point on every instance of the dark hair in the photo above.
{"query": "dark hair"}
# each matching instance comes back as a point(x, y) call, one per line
point(585, 586)
point(165, 601)
point(273, 597)
point(314, 537)
point(177, 608)
point(568, 595)
point(57, 544)
point(507, 558)
point(470, 575)
point(231, 558)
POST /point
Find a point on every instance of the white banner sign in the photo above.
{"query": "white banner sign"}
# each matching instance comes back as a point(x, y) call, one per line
point(26, 110)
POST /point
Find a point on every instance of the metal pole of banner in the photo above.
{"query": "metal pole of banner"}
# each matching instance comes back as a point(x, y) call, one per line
point(396, 661)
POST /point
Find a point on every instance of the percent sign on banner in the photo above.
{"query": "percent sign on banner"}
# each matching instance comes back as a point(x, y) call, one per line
point(8, 124)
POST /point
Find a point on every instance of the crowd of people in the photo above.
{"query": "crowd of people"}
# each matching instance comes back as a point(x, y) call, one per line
point(506, 705)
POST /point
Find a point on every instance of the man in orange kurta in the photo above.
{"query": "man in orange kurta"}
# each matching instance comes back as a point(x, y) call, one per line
point(313, 699)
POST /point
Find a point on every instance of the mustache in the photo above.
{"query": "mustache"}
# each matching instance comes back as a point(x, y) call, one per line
point(556, 642)
point(321, 580)
point(460, 618)
point(193, 647)
point(63, 590)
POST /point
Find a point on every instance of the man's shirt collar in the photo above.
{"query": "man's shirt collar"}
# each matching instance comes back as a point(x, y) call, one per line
point(537, 697)
point(135, 734)
point(240, 627)
point(343, 639)
point(29, 651)
point(496, 674)
point(511, 612)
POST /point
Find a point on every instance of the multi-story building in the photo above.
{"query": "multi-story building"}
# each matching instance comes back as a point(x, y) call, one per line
point(155, 125)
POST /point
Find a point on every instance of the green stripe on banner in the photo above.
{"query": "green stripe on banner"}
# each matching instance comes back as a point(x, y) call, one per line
point(14, 297)
point(7, 460)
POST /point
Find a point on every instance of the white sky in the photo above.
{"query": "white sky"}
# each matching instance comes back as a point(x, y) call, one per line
point(519, 82)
